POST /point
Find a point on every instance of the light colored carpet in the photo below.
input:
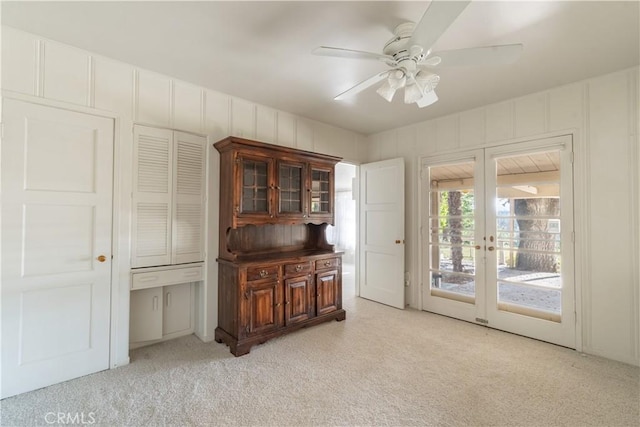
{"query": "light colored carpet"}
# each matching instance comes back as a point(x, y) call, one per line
point(380, 367)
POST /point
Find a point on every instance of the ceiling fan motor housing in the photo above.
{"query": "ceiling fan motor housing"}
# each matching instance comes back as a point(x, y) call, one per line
point(397, 45)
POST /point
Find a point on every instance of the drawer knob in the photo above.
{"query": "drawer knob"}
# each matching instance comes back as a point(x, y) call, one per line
point(298, 268)
point(264, 273)
point(327, 263)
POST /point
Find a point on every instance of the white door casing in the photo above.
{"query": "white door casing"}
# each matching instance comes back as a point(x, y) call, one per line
point(57, 177)
point(381, 249)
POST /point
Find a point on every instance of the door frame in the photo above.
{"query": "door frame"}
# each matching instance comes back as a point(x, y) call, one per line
point(355, 195)
point(120, 224)
point(580, 205)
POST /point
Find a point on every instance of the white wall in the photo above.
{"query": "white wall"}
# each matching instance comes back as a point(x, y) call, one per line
point(37, 69)
point(602, 114)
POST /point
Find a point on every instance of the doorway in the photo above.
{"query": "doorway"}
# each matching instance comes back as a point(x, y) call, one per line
point(343, 233)
point(499, 247)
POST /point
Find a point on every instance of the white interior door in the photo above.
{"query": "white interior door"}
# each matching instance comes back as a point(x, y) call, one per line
point(382, 232)
point(498, 238)
point(56, 245)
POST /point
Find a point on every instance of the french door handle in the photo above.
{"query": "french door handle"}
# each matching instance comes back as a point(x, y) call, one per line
point(490, 248)
point(478, 247)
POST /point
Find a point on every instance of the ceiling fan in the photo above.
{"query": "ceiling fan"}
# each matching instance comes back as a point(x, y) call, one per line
point(409, 55)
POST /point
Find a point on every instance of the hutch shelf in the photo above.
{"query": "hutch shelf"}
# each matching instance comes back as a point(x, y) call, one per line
point(277, 273)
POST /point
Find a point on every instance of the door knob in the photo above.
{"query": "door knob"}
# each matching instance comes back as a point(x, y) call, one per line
point(102, 258)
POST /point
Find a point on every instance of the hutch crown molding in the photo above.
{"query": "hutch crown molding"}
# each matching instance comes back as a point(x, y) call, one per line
point(277, 272)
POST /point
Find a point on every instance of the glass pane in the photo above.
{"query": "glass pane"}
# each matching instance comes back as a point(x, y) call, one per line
point(290, 177)
point(452, 231)
point(248, 176)
point(320, 195)
point(528, 226)
point(254, 186)
point(261, 205)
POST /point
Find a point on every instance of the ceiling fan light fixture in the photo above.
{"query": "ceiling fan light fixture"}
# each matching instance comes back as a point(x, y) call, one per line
point(428, 81)
point(386, 91)
point(427, 99)
point(397, 79)
point(412, 93)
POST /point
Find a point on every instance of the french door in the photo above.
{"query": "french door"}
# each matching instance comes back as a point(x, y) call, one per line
point(498, 238)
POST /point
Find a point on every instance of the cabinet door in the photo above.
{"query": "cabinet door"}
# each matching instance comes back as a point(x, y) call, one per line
point(321, 193)
point(145, 321)
point(328, 295)
point(177, 317)
point(188, 198)
point(297, 299)
point(290, 190)
point(254, 185)
point(261, 308)
point(152, 182)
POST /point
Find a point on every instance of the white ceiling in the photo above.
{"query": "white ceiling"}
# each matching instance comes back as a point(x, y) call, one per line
point(261, 51)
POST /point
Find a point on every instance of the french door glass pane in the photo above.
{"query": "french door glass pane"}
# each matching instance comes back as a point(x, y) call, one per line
point(527, 240)
point(452, 231)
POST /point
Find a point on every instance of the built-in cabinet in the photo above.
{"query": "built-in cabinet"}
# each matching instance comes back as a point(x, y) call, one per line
point(161, 313)
point(168, 232)
point(277, 272)
point(168, 197)
point(162, 302)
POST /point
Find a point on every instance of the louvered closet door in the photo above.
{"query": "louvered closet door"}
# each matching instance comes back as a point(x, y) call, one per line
point(153, 157)
point(188, 206)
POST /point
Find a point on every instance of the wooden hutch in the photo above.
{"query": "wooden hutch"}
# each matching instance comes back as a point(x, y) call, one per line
point(277, 273)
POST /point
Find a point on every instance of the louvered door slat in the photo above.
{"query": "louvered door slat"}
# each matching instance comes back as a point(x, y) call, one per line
point(153, 164)
point(188, 218)
point(152, 198)
point(152, 229)
point(189, 230)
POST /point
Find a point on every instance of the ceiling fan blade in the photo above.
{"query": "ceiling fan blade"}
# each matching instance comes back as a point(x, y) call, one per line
point(488, 55)
point(435, 21)
point(427, 99)
point(349, 53)
point(363, 85)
